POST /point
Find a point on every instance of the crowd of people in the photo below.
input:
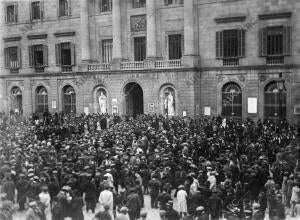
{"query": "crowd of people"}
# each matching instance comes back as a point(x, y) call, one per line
point(205, 168)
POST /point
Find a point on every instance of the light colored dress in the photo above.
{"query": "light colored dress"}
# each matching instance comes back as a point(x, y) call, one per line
point(182, 203)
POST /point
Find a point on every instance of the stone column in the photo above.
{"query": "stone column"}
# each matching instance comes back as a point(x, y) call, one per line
point(190, 58)
point(116, 28)
point(151, 29)
point(84, 31)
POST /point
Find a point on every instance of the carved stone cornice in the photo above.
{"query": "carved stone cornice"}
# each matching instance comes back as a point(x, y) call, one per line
point(275, 15)
point(37, 36)
point(9, 39)
point(64, 34)
point(230, 19)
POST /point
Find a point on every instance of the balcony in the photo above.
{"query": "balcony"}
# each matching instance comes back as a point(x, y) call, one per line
point(66, 69)
point(167, 64)
point(14, 66)
point(276, 60)
point(135, 65)
point(99, 67)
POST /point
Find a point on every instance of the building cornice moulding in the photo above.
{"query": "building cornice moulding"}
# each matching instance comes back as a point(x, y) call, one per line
point(64, 34)
point(275, 15)
point(9, 39)
point(36, 36)
point(229, 19)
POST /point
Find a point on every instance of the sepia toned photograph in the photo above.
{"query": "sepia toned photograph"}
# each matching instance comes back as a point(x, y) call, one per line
point(149, 110)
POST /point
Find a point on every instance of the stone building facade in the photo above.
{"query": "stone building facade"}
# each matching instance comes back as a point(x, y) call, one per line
point(237, 58)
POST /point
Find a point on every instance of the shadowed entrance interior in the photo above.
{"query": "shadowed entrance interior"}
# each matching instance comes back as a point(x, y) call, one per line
point(134, 99)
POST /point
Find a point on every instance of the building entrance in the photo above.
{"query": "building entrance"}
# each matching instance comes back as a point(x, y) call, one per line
point(134, 101)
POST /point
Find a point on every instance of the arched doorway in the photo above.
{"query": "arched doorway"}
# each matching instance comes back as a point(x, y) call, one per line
point(16, 100)
point(232, 100)
point(41, 99)
point(69, 99)
point(134, 100)
point(275, 101)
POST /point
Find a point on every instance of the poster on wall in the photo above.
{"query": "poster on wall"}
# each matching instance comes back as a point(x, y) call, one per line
point(207, 110)
point(114, 109)
point(184, 113)
point(197, 109)
point(86, 110)
point(297, 109)
point(252, 105)
point(54, 104)
point(151, 107)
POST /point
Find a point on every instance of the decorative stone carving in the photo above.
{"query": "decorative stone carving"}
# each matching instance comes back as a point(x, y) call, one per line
point(138, 23)
point(262, 78)
point(220, 78)
point(242, 78)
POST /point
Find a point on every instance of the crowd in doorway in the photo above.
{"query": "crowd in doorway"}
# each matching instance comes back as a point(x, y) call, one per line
point(210, 167)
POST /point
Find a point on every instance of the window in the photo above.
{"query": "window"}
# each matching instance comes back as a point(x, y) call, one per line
point(69, 99)
point(12, 58)
point(65, 56)
point(36, 10)
point(175, 43)
point(172, 2)
point(16, 100)
point(232, 100)
point(230, 46)
point(139, 3)
point(107, 50)
point(41, 99)
point(275, 43)
point(11, 13)
point(139, 48)
point(275, 101)
point(105, 5)
point(64, 8)
point(38, 57)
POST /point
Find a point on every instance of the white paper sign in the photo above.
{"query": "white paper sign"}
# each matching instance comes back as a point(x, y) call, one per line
point(252, 105)
point(207, 110)
point(54, 104)
point(184, 113)
point(86, 110)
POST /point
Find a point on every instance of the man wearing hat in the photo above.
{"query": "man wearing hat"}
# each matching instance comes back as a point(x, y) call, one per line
point(163, 199)
point(154, 185)
point(257, 214)
point(214, 206)
point(201, 214)
point(123, 215)
point(21, 186)
point(134, 204)
point(9, 188)
point(171, 214)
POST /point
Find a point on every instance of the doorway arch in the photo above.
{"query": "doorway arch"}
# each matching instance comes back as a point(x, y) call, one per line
point(134, 99)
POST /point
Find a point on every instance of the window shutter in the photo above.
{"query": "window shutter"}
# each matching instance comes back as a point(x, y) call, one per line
point(287, 40)
point(30, 9)
point(241, 43)
point(263, 37)
point(31, 54)
point(16, 12)
point(58, 54)
point(42, 10)
point(69, 8)
point(219, 44)
point(45, 55)
point(6, 57)
point(73, 54)
point(19, 57)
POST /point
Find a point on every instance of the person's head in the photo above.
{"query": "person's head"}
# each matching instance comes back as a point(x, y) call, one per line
point(124, 210)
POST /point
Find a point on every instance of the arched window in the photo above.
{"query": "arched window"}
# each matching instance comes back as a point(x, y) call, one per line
point(231, 100)
point(275, 100)
point(16, 100)
point(42, 99)
point(69, 99)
